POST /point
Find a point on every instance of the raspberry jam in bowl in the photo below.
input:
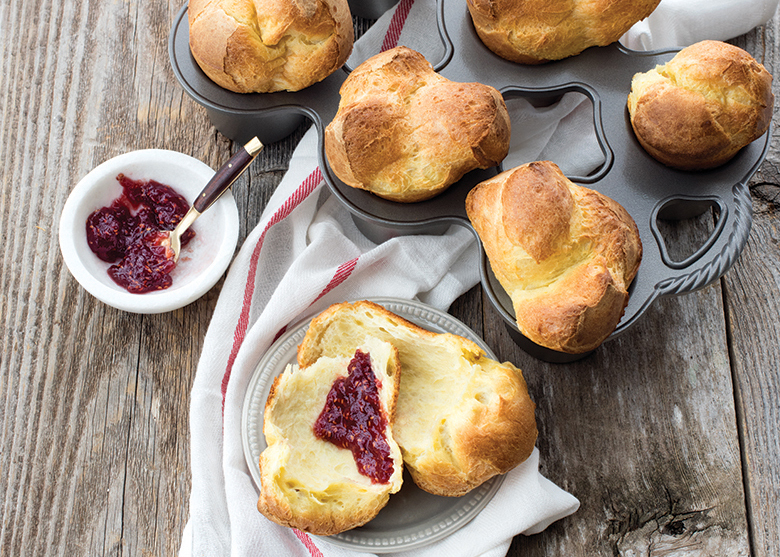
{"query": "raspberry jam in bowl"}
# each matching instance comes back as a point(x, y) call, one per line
point(105, 272)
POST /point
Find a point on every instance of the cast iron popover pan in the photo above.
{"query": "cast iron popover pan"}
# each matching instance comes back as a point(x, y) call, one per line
point(645, 187)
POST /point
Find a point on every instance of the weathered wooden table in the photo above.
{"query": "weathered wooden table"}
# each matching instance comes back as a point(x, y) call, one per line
point(669, 435)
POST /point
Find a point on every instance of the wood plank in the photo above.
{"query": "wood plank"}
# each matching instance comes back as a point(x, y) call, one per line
point(752, 293)
point(95, 406)
point(752, 299)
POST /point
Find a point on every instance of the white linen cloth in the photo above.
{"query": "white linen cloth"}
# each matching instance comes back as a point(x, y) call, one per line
point(684, 22)
point(306, 253)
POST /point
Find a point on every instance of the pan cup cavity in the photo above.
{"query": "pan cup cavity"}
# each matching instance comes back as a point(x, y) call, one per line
point(564, 132)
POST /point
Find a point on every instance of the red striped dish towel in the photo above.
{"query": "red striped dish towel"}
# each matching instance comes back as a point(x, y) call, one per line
point(306, 254)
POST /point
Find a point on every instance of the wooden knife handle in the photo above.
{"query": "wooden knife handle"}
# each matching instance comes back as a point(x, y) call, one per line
point(226, 175)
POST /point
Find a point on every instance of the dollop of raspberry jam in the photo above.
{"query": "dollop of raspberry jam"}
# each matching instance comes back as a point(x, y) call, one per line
point(129, 234)
point(352, 419)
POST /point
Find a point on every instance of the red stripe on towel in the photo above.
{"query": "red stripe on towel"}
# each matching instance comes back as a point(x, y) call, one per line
point(342, 273)
point(397, 24)
point(303, 191)
point(279, 333)
point(306, 541)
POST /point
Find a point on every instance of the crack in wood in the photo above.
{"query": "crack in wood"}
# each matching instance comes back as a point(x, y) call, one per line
point(766, 198)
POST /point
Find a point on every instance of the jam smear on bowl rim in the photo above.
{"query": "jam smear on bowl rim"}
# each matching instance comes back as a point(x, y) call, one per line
point(130, 233)
point(352, 419)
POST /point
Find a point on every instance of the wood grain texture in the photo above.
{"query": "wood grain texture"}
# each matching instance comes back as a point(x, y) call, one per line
point(668, 435)
point(752, 295)
point(94, 416)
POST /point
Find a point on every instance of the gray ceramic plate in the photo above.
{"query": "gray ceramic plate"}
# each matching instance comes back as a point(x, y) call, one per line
point(412, 518)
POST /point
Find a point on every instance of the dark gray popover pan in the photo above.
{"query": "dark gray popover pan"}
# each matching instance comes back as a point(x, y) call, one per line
point(370, 9)
point(646, 188)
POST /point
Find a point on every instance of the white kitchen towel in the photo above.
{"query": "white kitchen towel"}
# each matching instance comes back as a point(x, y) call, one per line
point(684, 22)
point(306, 253)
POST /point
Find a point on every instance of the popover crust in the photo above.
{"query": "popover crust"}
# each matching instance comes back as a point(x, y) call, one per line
point(700, 108)
point(565, 254)
point(406, 133)
point(262, 46)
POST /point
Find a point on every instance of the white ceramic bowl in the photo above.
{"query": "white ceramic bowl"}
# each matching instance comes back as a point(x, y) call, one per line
point(203, 260)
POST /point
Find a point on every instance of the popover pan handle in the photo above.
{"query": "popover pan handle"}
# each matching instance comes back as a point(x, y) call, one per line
point(718, 253)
